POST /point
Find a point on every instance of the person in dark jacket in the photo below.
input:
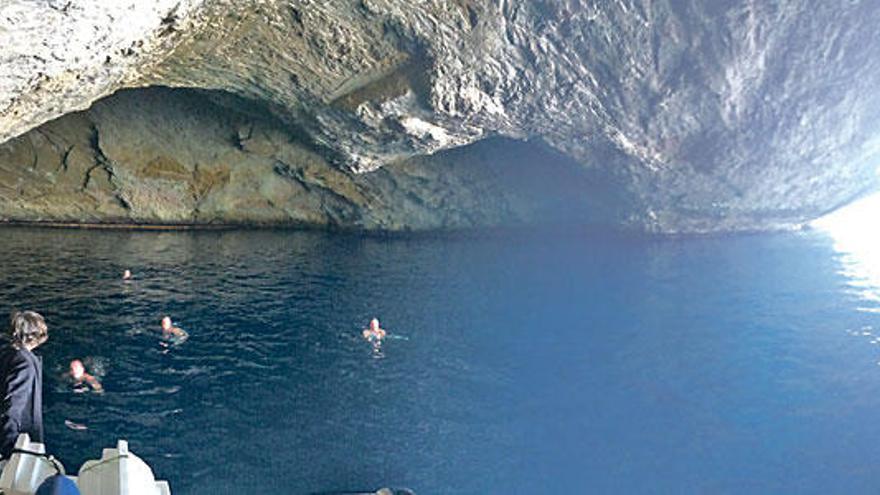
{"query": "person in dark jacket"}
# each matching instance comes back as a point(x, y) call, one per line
point(21, 381)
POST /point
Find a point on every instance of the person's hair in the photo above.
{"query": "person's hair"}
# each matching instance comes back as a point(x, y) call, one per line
point(27, 329)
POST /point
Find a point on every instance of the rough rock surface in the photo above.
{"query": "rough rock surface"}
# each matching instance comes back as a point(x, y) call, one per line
point(57, 56)
point(174, 157)
point(714, 116)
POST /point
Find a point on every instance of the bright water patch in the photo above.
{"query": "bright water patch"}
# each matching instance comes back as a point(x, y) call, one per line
point(857, 240)
point(542, 363)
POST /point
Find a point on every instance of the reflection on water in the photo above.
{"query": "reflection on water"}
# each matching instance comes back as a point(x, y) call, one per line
point(539, 363)
point(856, 234)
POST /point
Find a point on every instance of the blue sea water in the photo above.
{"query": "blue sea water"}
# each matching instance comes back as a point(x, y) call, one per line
point(543, 362)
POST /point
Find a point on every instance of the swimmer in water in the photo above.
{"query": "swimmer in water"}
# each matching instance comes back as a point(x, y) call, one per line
point(169, 331)
point(81, 379)
point(126, 275)
point(375, 333)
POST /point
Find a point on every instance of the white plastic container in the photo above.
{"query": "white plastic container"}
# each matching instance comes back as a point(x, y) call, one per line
point(24, 473)
point(119, 472)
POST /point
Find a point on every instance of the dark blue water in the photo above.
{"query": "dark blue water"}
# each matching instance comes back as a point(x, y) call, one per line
point(542, 363)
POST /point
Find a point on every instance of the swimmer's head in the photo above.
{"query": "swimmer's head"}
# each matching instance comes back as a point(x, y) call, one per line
point(374, 324)
point(166, 323)
point(126, 274)
point(77, 370)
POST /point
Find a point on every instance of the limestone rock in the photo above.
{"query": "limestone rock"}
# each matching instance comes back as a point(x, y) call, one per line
point(732, 116)
point(59, 56)
point(185, 160)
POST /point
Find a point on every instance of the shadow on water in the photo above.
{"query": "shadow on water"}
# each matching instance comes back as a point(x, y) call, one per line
point(518, 364)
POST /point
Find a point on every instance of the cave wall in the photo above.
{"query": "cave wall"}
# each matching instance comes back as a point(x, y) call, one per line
point(710, 116)
point(178, 157)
